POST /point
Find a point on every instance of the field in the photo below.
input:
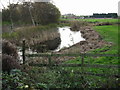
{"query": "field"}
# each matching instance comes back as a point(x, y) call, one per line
point(101, 20)
point(96, 20)
point(65, 77)
point(110, 34)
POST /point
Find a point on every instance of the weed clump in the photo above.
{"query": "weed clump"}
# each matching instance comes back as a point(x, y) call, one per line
point(77, 25)
point(9, 57)
point(9, 63)
point(9, 49)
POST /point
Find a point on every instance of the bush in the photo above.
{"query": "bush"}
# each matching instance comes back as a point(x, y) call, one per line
point(9, 49)
point(76, 25)
point(9, 63)
point(9, 57)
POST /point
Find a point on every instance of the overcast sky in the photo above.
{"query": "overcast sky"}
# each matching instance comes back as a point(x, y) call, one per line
point(82, 7)
point(87, 7)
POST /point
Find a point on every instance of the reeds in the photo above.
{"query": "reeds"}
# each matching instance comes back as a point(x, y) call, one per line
point(33, 34)
point(76, 25)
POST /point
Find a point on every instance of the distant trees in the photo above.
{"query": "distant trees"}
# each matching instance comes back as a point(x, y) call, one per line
point(104, 15)
point(31, 13)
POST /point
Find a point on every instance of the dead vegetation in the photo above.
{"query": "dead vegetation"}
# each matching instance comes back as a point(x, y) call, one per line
point(9, 57)
point(76, 25)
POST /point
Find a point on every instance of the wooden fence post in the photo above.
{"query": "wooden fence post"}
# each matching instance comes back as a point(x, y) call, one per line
point(23, 51)
point(49, 59)
point(82, 60)
point(82, 69)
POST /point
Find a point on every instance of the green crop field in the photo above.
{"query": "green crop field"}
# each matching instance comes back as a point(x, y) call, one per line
point(101, 20)
point(96, 20)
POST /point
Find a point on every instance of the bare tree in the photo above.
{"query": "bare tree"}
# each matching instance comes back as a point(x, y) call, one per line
point(30, 6)
point(29, 2)
point(11, 7)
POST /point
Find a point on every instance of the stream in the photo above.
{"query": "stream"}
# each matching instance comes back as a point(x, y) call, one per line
point(68, 38)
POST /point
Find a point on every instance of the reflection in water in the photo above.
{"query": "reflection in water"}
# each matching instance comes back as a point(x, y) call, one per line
point(68, 37)
point(27, 51)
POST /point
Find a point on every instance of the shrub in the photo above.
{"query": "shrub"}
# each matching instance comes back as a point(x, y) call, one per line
point(9, 63)
point(9, 57)
point(9, 49)
point(76, 25)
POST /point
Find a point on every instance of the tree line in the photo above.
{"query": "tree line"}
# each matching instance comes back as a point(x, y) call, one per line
point(37, 13)
point(104, 15)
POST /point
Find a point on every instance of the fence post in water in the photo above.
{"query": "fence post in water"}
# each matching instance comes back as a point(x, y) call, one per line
point(23, 51)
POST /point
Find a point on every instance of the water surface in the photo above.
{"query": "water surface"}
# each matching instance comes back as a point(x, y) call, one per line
point(68, 37)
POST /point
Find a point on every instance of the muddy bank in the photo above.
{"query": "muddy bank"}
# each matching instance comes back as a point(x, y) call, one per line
point(93, 40)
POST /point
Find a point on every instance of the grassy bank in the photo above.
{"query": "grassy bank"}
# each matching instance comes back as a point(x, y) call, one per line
point(102, 20)
point(109, 34)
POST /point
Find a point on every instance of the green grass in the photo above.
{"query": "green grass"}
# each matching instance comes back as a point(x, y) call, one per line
point(109, 34)
point(6, 23)
point(102, 20)
point(95, 20)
